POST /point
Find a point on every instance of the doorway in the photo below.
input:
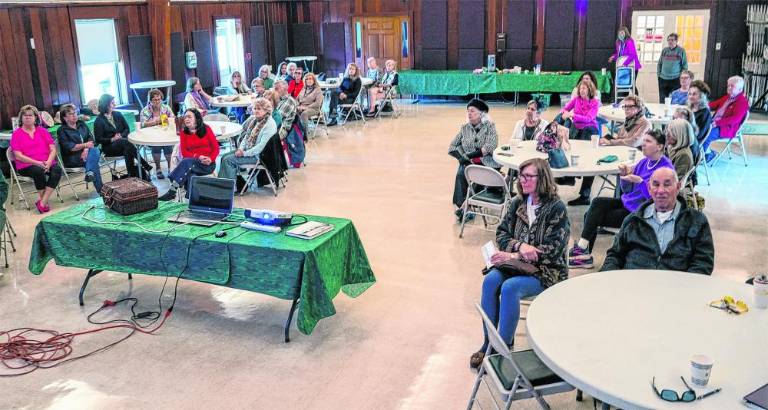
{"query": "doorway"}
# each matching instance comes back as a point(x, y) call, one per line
point(384, 38)
point(650, 31)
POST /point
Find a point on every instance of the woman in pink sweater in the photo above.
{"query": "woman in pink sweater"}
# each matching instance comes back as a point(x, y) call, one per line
point(626, 51)
point(582, 111)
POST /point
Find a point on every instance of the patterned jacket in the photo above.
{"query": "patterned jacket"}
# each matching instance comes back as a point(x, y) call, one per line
point(287, 109)
point(468, 140)
point(549, 233)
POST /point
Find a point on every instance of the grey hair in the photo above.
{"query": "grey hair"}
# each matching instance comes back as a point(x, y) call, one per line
point(738, 80)
point(291, 64)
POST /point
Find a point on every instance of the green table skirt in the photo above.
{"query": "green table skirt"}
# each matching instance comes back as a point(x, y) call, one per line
point(461, 83)
point(274, 264)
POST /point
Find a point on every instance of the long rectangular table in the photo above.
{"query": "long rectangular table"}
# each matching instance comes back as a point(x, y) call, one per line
point(462, 82)
point(308, 272)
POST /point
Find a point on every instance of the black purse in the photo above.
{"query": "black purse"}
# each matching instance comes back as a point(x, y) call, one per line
point(557, 159)
point(514, 267)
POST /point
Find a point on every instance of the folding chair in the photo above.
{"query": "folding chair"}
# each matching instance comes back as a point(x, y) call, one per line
point(314, 123)
point(700, 160)
point(356, 107)
point(6, 239)
point(475, 202)
point(389, 99)
point(67, 171)
point(111, 163)
point(253, 172)
point(515, 375)
point(738, 138)
point(625, 82)
point(17, 179)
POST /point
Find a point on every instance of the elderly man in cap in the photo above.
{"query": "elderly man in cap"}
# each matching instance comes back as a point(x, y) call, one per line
point(663, 233)
point(474, 144)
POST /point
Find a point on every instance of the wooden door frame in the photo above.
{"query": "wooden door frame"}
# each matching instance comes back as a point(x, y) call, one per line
point(403, 16)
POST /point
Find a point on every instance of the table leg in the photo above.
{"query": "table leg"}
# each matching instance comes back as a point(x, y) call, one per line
point(290, 318)
point(91, 273)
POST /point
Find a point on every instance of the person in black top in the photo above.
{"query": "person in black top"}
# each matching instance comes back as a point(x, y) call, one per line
point(347, 91)
point(698, 94)
point(111, 132)
point(77, 145)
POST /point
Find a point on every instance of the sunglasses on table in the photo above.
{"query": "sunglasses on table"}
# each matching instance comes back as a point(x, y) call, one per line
point(730, 305)
point(687, 396)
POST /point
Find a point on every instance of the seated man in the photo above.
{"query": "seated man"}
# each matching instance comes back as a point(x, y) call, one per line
point(286, 106)
point(663, 233)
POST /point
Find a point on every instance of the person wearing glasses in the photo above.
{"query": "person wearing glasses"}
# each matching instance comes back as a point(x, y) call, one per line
point(670, 66)
point(663, 233)
point(157, 113)
point(680, 95)
point(77, 145)
point(582, 111)
point(534, 233)
point(610, 212)
point(635, 124)
point(729, 113)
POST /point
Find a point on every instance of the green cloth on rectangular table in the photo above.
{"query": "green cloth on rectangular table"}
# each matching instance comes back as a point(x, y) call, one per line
point(462, 82)
point(274, 264)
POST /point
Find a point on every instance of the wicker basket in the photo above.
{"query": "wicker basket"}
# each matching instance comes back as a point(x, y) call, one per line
point(129, 196)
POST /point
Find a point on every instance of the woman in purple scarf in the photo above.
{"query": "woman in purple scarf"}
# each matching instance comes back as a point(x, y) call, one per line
point(196, 97)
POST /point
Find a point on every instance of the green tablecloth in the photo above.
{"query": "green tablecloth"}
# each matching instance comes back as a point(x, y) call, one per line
point(460, 83)
point(273, 264)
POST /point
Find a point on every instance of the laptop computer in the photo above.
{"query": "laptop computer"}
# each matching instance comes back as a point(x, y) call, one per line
point(210, 201)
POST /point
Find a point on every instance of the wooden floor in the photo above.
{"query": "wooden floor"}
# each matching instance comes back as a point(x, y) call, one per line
point(403, 344)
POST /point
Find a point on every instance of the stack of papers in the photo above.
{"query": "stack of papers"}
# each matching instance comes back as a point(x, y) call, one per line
point(309, 230)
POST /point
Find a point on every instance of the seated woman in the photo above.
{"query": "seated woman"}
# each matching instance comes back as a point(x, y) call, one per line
point(387, 81)
point(111, 132)
point(698, 103)
point(634, 127)
point(257, 87)
point(685, 113)
point(91, 109)
point(586, 76)
point(237, 86)
point(610, 212)
point(678, 135)
point(290, 71)
point(530, 127)
point(582, 110)
point(295, 86)
point(534, 232)
point(282, 72)
point(35, 154)
point(197, 97)
point(474, 144)
point(266, 76)
point(680, 96)
point(347, 91)
point(77, 145)
point(730, 111)
point(198, 148)
point(373, 71)
point(157, 113)
point(257, 131)
point(310, 99)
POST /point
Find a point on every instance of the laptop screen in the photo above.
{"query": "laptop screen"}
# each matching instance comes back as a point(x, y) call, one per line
point(211, 194)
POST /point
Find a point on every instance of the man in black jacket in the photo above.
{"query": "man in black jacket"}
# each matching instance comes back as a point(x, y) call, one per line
point(664, 233)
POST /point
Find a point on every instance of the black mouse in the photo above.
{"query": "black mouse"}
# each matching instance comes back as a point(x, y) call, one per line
point(220, 234)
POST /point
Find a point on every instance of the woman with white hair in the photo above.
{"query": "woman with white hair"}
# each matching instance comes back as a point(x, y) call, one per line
point(679, 134)
point(265, 73)
point(474, 144)
point(729, 112)
point(257, 131)
point(385, 83)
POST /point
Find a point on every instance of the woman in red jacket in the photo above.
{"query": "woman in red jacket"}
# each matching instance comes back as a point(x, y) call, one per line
point(198, 147)
point(729, 112)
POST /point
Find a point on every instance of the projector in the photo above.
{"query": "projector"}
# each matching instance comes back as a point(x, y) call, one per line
point(268, 217)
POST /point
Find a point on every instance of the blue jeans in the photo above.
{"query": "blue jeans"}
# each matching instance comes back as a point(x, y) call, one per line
point(714, 135)
point(230, 164)
point(92, 165)
point(187, 168)
point(501, 301)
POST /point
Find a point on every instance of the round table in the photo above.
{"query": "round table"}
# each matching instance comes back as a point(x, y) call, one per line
point(328, 84)
point(609, 333)
point(242, 100)
point(156, 136)
point(147, 85)
point(231, 129)
point(658, 113)
point(588, 156)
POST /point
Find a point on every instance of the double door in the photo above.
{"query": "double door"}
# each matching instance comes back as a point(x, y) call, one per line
point(383, 38)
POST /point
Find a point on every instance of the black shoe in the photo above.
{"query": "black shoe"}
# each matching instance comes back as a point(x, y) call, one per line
point(168, 196)
point(571, 181)
point(579, 201)
point(332, 122)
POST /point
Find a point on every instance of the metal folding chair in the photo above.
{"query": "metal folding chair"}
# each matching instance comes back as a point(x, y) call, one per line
point(66, 171)
point(355, 108)
point(253, 172)
point(314, 124)
point(739, 139)
point(477, 202)
point(17, 179)
point(514, 375)
point(389, 99)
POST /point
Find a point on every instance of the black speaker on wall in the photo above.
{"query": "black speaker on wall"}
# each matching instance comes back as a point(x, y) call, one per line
point(501, 42)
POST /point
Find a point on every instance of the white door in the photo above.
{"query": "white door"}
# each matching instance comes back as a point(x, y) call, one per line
point(650, 31)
